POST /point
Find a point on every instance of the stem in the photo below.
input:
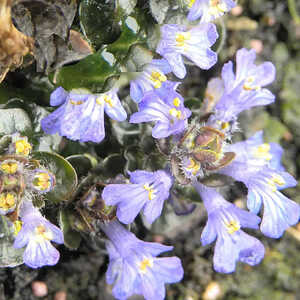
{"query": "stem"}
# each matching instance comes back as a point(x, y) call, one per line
point(293, 11)
point(222, 35)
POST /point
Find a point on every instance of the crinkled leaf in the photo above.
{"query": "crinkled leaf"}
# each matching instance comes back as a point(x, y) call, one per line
point(125, 132)
point(72, 238)
point(40, 140)
point(134, 157)
point(159, 9)
point(127, 6)
point(9, 256)
point(14, 120)
point(48, 22)
point(138, 57)
point(65, 175)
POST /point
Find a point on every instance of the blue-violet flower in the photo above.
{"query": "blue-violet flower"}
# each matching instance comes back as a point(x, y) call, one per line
point(195, 43)
point(81, 116)
point(225, 221)
point(166, 109)
point(208, 10)
point(36, 234)
point(147, 191)
point(152, 78)
point(134, 267)
point(265, 177)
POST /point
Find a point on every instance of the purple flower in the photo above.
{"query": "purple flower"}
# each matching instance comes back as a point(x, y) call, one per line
point(213, 93)
point(152, 78)
point(147, 191)
point(36, 234)
point(81, 116)
point(208, 10)
point(177, 40)
point(134, 267)
point(225, 221)
point(259, 153)
point(244, 89)
point(166, 109)
point(264, 185)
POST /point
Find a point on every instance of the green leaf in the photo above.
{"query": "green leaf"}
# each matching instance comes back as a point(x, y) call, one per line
point(72, 238)
point(90, 73)
point(14, 120)
point(81, 163)
point(65, 175)
point(9, 256)
point(112, 165)
point(125, 132)
point(129, 36)
point(138, 57)
point(99, 22)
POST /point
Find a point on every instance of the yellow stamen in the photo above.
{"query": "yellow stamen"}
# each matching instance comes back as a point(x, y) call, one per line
point(106, 99)
point(224, 125)
point(262, 151)
point(175, 113)
point(176, 102)
point(74, 102)
point(157, 78)
point(144, 264)
point(41, 234)
point(181, 38)
point(42, 181)
point(7, 201)
point(9, 167)
point(247, 85)
point(17, 227)
point(209, 96)
point(193, 166)
point(215, 7)
point(275, 181)
point(23, 147)
point(150, 191)
point(232, 226)
point(190, 3)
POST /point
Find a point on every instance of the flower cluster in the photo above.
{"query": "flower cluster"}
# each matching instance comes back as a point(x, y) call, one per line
point(20, 179)
point(195, 151)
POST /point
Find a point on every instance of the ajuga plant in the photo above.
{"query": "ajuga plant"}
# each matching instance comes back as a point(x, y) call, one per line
point(107, 105)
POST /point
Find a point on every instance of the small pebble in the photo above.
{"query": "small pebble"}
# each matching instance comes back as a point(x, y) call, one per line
point(39, 288)
point(212, 292)
point(257, 45)
point(157, 238)
point(237, 10)
point(61, 295)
